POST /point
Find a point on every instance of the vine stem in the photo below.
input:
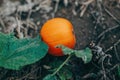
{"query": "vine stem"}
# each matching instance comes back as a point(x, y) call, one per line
point(67, 59)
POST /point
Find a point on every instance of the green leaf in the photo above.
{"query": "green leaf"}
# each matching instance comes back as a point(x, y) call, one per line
point(50, 77)
point(66, 50)
point(65, 74)
point(85, 54)
point(16, 53)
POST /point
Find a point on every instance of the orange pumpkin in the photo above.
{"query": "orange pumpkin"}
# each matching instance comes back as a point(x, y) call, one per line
point(58, 31)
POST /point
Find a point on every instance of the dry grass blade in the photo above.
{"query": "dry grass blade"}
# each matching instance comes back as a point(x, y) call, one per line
point(2, 23)
point(107, 30)
point(84, 7)
point(109, 13)
point(66, 3)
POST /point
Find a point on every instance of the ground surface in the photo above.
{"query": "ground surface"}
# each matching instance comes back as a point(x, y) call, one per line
point(96, 24)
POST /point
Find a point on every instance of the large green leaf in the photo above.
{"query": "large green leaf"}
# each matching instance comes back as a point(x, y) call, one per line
point(16, 53)
point(85, 54)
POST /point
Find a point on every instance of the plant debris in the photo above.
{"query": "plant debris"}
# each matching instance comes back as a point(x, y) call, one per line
point(96, 24)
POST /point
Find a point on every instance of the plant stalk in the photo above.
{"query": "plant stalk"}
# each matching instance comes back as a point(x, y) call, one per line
point(67, 59)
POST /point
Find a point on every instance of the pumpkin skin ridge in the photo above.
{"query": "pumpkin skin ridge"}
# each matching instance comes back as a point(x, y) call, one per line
point(56, 40)
point(65, 22)
point(61, 40)
point(46, 31)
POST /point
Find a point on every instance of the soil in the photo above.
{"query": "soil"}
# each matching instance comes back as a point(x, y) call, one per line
point(96, 28)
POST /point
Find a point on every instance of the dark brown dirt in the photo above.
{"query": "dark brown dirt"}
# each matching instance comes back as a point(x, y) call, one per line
point(87, 30)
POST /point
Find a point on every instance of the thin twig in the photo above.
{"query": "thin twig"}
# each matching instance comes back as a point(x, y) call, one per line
point(109, 13)
point(107, 30)
point(100, 40)
point(115, 44)
point(104, 72)
point(56, 8)
point(84, 7)
point(20, 35)
point(2, 23)
point(103, 68)
point(29, 73)
point(28, 17)
point(116, 53)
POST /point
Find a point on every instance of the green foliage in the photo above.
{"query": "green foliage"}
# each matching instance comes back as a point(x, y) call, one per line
point(85, 54)
point(119, 70)
point(50, 77)
point(16, 53)
point(65, 74)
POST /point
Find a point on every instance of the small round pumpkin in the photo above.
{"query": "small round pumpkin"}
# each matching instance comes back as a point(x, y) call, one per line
point(58, 31)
